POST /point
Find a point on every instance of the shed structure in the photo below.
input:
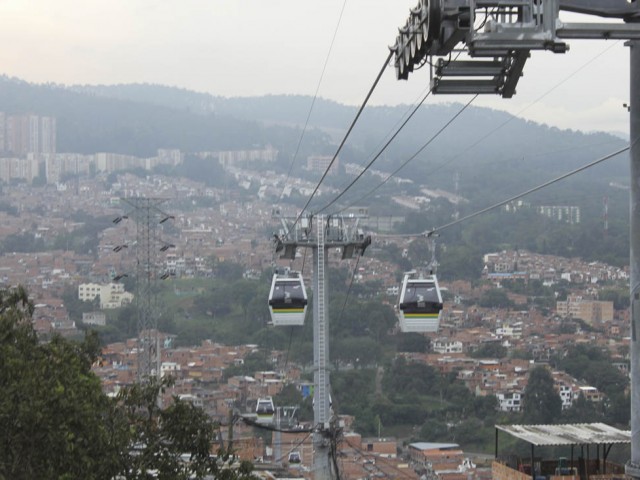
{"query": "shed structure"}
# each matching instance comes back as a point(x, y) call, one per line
point(594, 440)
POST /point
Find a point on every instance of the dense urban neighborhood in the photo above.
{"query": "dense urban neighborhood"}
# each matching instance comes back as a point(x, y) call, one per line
point(70, 239)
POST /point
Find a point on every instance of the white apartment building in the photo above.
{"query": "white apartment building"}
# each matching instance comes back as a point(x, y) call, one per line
point(445, 345)
point(509, 401)
point(112, 295)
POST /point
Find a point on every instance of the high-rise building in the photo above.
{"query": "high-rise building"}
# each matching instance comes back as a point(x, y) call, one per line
point(27, 133)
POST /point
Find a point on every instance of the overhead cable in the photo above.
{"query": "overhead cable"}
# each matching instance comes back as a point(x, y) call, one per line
point(404, 164)
point(384, 147)
point(519, 112)
point(377, 155)
point(353, 123)
point(315, 96)
point(535, 189)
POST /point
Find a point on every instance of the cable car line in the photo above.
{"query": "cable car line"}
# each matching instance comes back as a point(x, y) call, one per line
point(315, 96)
point(294, 448)
point(346, 299)
point(531, 190)
point(510, 199)
point(404, 164)
point(266, 426)
point(484, 137)
point(353, 123)
point(382, 149)
point(411, 111)
point(380, 152)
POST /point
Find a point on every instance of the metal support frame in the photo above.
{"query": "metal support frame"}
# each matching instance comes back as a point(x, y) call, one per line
point(148, 216)
point(633, 467)
point(321, 233)
point(504, 31)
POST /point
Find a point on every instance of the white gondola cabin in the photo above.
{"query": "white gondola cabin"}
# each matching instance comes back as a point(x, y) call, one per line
point(294, 457)
point(420, 304)
point(265, 410)
point(287, 299)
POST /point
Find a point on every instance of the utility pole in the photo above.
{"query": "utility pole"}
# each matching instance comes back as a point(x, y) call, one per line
point(321, 234)
point(499, 46)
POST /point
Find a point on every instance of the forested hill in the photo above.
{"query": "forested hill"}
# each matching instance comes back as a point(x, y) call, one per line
point(480, 137)
point(140, 118)
point(89, 123)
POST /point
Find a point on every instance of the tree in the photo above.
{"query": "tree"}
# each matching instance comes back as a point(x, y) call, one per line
point(52, 407)
point(495, 298)
point(542, 403)
point(56, 422)
point(490, 350)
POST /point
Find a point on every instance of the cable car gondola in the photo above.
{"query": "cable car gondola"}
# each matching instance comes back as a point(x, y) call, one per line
point(265, 410)
point(294, 457)
point(287, 299)
point(420, 304)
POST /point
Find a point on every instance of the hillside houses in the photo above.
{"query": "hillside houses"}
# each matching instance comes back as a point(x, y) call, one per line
point(519, 264)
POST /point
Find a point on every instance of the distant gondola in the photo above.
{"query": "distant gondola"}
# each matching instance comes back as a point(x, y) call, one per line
point(420, 304)
point(287, 299)
point(265, 410)
point(294, 457)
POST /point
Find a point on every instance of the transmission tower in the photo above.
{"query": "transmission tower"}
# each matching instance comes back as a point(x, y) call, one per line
point(499, 36)
point(321, 234)
point(148, 217)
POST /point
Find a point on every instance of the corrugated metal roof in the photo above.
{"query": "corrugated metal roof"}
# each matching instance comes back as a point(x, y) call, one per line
point(567, 434)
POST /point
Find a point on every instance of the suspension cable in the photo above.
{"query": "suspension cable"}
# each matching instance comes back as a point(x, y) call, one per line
point(313, 102)
point(404, 164)
point(534, 189)
point(353, 123)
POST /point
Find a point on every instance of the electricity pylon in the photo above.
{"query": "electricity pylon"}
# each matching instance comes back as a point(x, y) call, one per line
point(148, 217)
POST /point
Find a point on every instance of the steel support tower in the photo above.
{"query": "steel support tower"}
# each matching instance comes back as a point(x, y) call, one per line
point(499, 45)
point(321, 234)
point(148, 216)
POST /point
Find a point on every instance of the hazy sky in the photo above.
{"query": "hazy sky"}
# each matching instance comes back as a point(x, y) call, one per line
point(257, 47)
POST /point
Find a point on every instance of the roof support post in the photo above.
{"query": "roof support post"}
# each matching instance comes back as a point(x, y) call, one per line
point(633, 466)
point(533, 468)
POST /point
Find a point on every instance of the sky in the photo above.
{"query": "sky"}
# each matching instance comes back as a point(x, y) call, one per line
point(259, 47)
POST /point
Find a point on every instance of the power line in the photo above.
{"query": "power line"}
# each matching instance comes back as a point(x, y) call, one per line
point(353, 123)
point(414, 155)
point(315, 96)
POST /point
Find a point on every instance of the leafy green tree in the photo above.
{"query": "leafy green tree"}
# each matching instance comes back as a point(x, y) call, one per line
point(52, 409)
point(495, 298)
point(56, 422)
point(460, 262)
point(408, 377)
point(593, 365)
point(228, 271)
point(254, 362)
point(619, 297)
point(413, 342)
point(581, 411)
point(490, 350)
point(159, 437)
point(359, 351)
point(434, 430)
point(542, 403)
